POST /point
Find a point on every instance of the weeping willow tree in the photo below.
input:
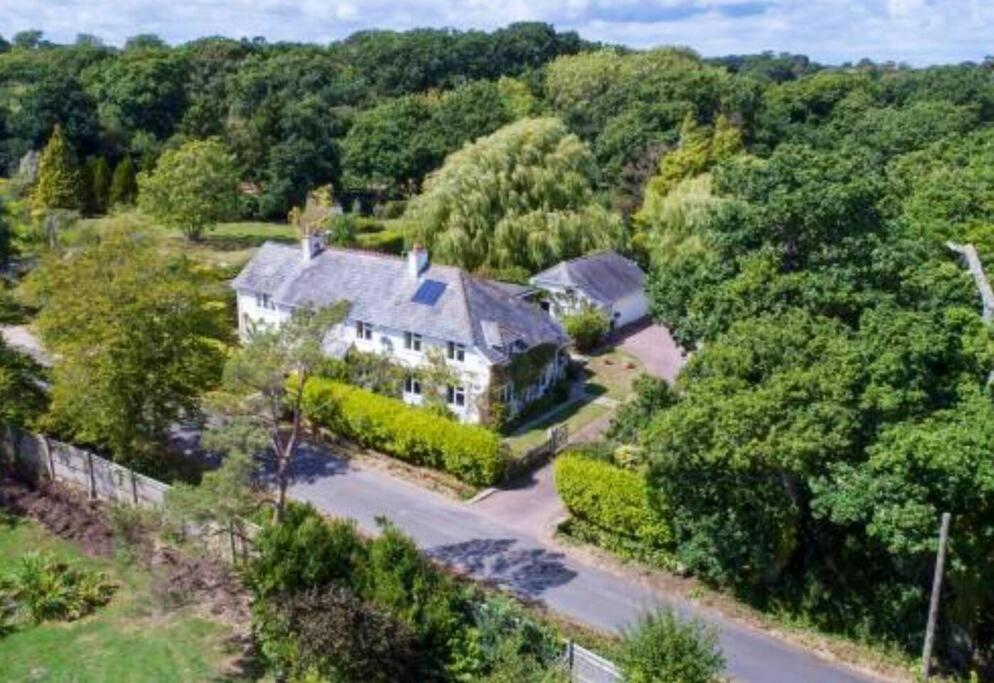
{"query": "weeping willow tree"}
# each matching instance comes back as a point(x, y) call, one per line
point(672, 225)
point(522, 197)
point(678, 199)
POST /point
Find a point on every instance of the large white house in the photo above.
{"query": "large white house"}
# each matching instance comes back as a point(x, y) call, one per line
point(407, 309)
point(605, 280)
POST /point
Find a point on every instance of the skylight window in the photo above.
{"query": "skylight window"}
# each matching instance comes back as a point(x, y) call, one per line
point(428, 292)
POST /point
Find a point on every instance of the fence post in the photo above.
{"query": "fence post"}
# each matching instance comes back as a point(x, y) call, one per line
point(134, 487)
point(49, 460)
point(569, 657)
point(93, 478)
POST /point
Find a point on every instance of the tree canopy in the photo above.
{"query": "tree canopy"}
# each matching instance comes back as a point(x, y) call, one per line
point(137, 336)
point(192, 187)
point(523, 196)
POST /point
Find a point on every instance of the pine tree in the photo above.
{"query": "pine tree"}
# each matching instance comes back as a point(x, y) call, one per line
point(99, 184)
point(122, 185)
point(58, 176)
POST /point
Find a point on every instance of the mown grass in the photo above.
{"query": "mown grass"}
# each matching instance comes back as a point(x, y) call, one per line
point(575, 416)
point(132, 638)
point(611, 373)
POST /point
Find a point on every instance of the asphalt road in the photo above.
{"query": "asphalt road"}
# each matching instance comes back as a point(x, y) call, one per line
point(457, 534)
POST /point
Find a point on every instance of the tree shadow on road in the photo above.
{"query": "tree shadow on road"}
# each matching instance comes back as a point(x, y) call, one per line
point(527, 571)
point(312, 463)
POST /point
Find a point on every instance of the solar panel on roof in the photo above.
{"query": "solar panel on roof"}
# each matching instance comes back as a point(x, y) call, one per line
point(429, 292)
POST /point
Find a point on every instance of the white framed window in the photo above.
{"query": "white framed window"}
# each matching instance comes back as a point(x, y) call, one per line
point(363, 330)
point(456, 396)
point(456, 352)
point(412, 341)
point(264, 301)
point(412, 385)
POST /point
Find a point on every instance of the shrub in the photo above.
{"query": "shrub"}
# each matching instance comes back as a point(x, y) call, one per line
point(587, 327)
point(304, 551)
point(664, 650)
point(506, 632)
point(474, 454)
point(342, 230)
point(611, 498)
point(385, 241)
point(333, 635)
point(651, 395)
point(46, 589)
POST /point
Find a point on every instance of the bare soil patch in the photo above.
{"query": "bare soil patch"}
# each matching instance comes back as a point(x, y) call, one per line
point(213, 587)
point(61, 511)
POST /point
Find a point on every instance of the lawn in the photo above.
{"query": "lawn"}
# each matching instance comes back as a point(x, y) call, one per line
point(130, 639)
point(611, 373)
point(231, 245)
point(575, 415)
point(608, 374)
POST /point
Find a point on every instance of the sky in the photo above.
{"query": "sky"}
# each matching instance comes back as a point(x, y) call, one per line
point(917, 32)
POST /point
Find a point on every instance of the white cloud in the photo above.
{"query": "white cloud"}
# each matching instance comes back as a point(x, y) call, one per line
point(916, 31)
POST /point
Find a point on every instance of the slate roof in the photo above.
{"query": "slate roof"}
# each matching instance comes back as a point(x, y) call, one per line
point(380, 288)
point(605, 276)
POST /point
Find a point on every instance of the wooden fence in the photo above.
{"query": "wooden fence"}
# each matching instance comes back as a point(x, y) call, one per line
point(585, 666)
point(41, 457)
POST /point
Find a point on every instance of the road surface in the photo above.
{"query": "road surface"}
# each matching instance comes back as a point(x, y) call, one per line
point(461, 536)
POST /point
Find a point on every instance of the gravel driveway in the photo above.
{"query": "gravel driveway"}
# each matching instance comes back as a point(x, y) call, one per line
point(654, 346)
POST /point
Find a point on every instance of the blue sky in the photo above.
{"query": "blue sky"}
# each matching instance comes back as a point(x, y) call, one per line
point(914, 31)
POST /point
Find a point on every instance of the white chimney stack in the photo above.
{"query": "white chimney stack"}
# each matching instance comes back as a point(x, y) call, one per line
point(417, 260)
point(311, 245)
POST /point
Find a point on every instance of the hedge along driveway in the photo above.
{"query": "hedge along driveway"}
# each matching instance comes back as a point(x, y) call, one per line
point(611, 498)
point(474, 454)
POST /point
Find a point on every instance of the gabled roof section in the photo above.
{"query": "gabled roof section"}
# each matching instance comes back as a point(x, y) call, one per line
point(605, 276)
point(382, 291)
point(271, 266)
point(505, 323)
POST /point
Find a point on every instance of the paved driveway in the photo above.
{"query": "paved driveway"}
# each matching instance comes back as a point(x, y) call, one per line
point(654, 346)
point(457, 534)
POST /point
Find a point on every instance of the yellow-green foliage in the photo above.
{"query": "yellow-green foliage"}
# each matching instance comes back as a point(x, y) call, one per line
point(611, 498)
point(474, 454)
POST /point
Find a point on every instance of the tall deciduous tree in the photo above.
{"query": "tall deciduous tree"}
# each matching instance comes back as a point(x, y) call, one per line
point(261, 395)
point(523, 196)
point(191, 188)
point(21, 397)
point(137, 336)
point(58, 175)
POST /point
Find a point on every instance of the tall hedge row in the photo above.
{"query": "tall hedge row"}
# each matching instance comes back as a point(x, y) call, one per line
point(611, 498)
point(474, 454)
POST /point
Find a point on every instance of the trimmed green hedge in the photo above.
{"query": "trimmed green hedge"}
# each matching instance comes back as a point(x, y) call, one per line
point(609, 497)
point(474, 454)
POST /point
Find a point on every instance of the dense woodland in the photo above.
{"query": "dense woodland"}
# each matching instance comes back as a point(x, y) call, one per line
point(793, 219)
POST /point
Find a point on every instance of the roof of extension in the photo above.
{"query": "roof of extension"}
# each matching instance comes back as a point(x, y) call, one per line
point(381, 290)
point(605, 276)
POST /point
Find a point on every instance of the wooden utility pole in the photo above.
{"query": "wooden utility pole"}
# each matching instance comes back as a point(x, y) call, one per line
point(933, 607)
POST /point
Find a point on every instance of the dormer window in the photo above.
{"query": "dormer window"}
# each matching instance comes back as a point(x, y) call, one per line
point(456, 352)
point(412, 341)
point(363, 330)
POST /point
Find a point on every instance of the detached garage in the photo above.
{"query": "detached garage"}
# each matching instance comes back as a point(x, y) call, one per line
point(604, 279)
